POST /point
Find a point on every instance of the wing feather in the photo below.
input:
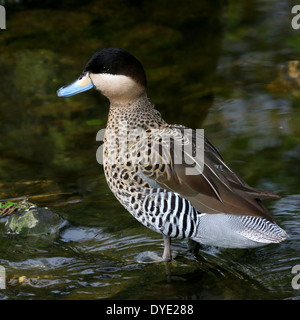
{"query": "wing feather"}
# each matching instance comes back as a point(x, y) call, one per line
point(214, 187)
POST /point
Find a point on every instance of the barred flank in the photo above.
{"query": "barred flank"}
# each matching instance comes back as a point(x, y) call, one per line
point(170, 214)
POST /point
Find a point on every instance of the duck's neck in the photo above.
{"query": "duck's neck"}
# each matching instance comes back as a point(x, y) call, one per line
point(138, 113)
point(142, 99)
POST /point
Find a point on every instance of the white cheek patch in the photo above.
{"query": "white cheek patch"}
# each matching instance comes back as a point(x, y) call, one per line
point(116, 86)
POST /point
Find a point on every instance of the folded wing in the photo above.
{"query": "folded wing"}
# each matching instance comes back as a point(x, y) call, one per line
point(177, 151)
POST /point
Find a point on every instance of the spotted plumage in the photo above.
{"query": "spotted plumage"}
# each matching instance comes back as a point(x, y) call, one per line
point(169, 177)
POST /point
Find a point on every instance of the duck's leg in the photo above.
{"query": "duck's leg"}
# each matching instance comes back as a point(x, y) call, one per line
point(167, 249)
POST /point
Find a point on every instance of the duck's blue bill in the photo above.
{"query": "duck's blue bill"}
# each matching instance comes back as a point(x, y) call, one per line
point(83, 83)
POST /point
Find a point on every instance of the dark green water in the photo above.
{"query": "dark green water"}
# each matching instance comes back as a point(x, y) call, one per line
point(225, 67)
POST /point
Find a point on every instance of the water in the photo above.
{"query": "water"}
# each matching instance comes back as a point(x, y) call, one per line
point(225, 68)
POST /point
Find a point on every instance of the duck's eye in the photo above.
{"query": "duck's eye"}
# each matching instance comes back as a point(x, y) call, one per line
point(105, 69)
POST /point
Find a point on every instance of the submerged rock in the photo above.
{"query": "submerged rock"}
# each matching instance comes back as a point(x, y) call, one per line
point(34, 221)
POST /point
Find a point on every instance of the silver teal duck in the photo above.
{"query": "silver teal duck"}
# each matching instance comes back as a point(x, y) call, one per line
point(170, 177)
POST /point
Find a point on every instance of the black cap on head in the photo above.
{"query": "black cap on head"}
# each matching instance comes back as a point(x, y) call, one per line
point(119, 62)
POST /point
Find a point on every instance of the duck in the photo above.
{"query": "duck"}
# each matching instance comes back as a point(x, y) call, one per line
point(168, 176)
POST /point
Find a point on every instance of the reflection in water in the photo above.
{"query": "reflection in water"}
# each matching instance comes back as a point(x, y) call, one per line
point(228, 68)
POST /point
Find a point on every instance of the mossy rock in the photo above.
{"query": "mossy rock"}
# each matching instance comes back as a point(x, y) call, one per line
point(36, 221)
